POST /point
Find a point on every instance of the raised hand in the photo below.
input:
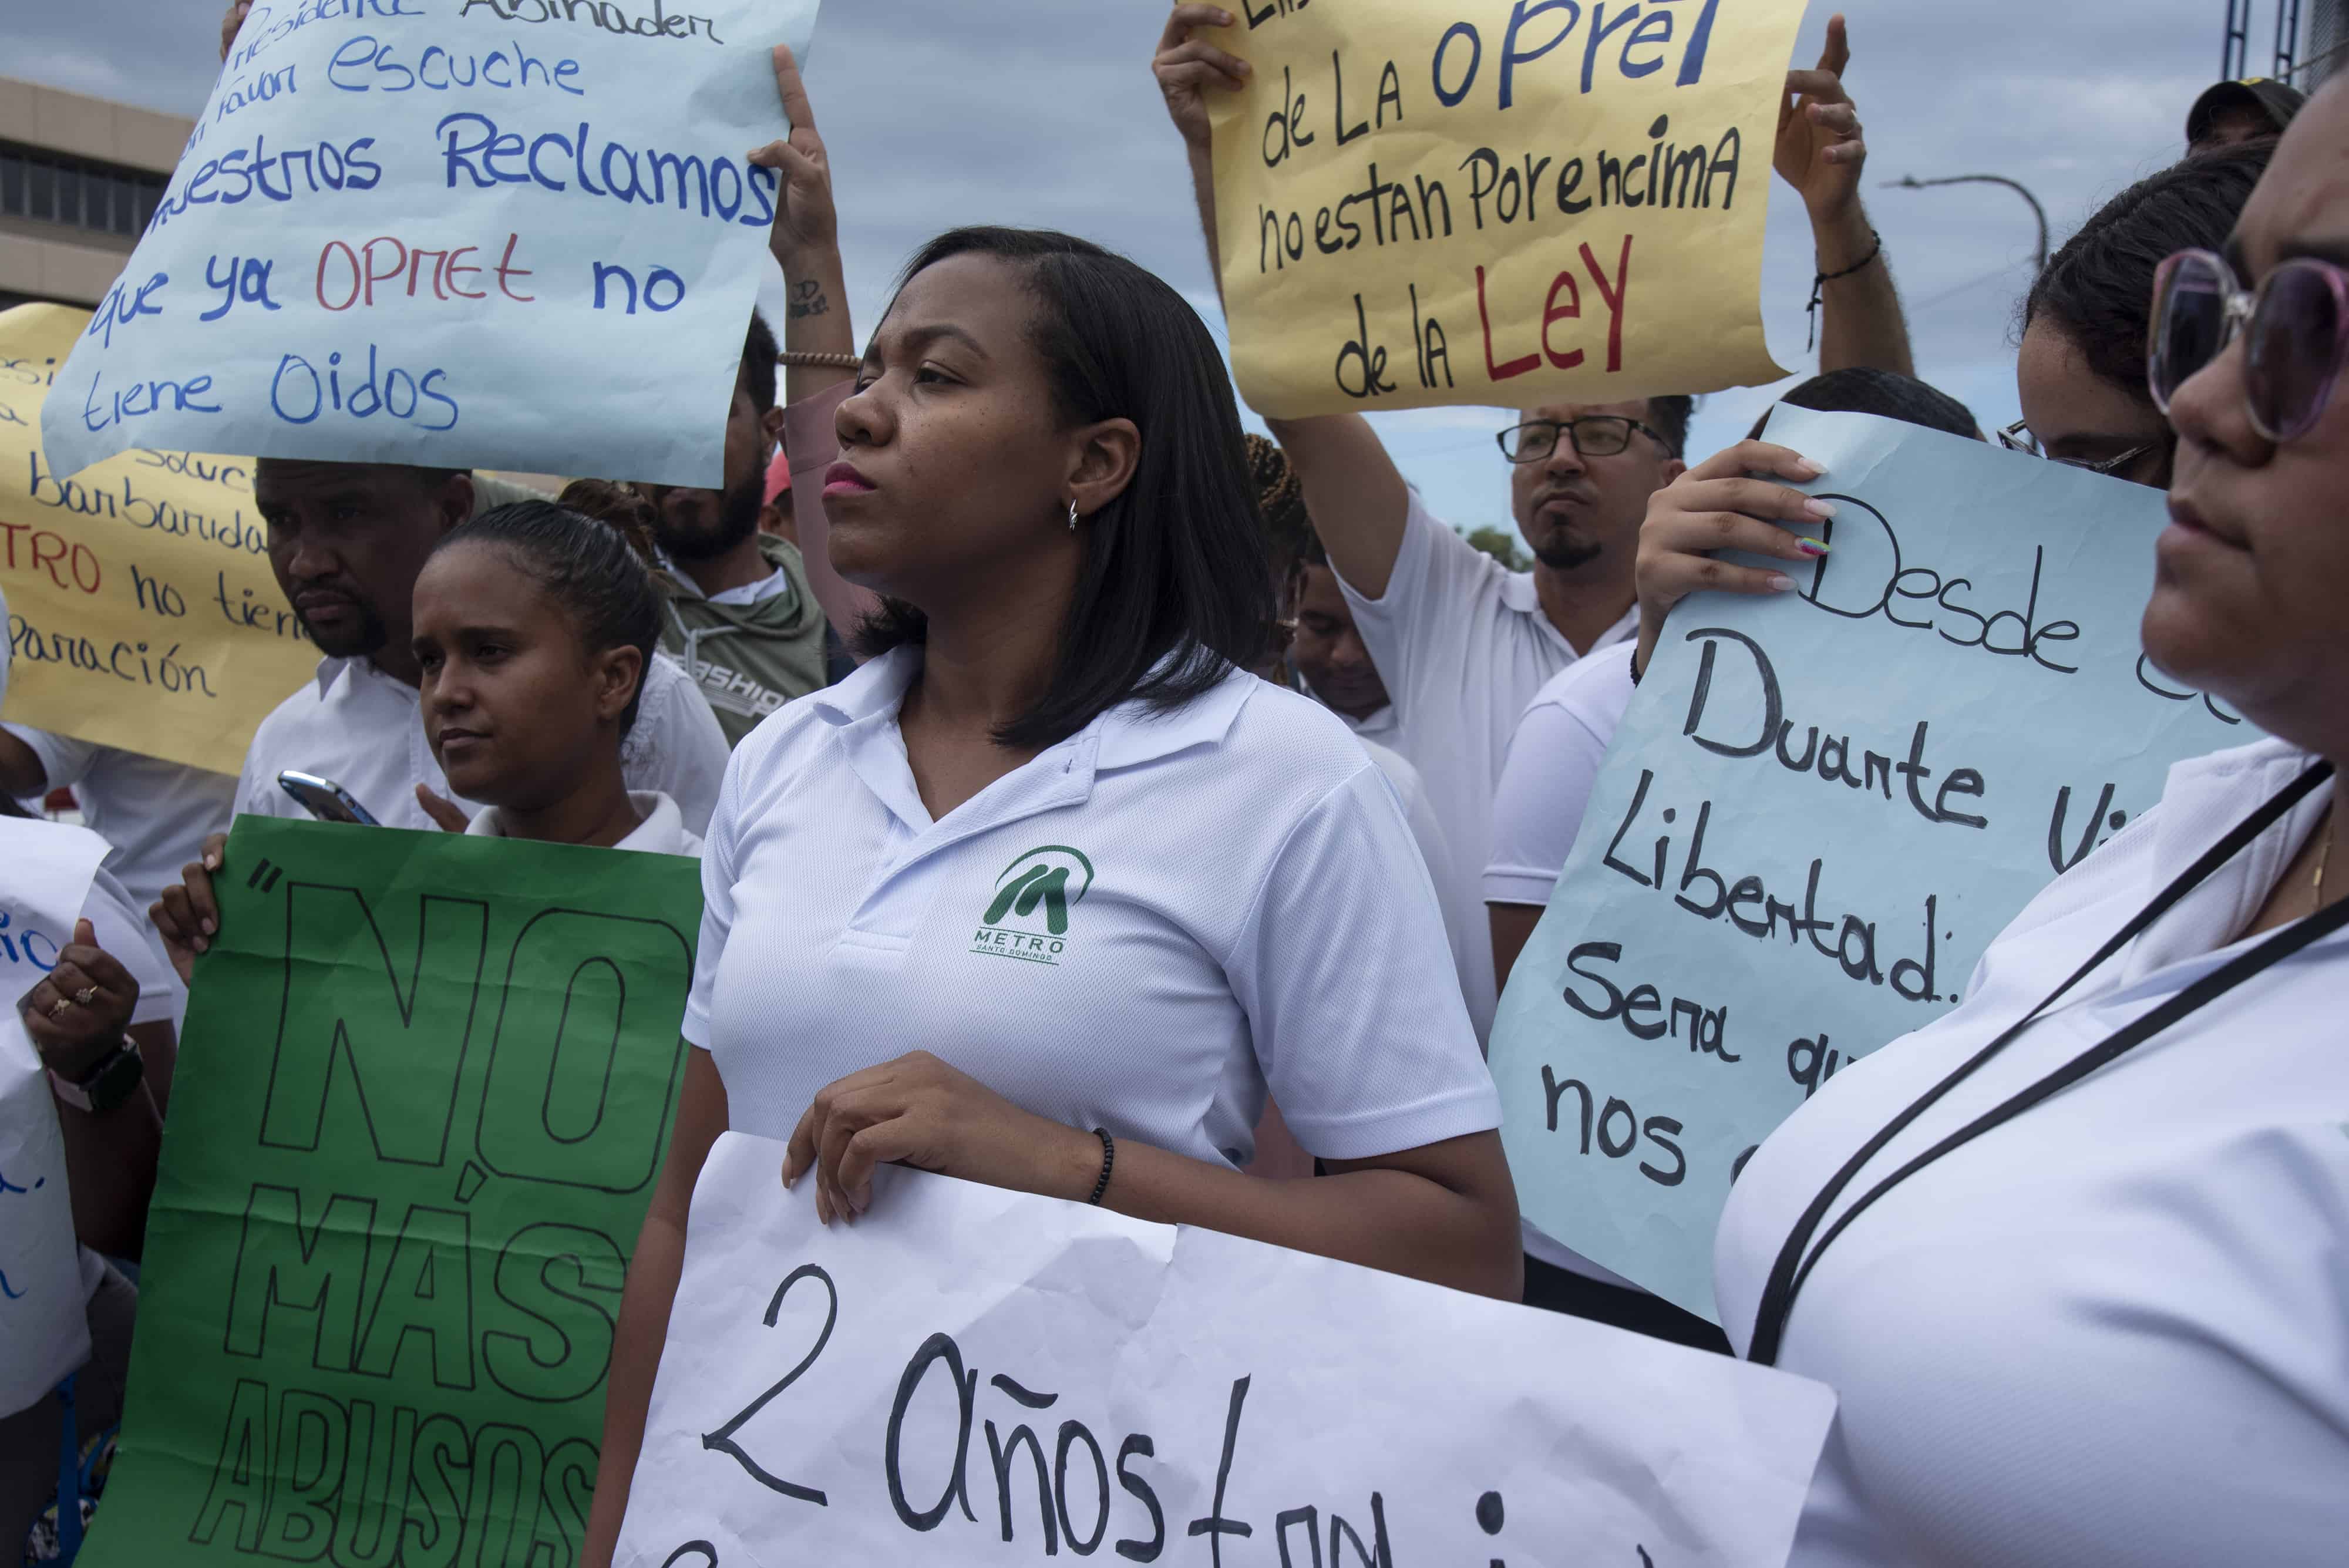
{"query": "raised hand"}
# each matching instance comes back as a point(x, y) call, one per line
point(1820, 151)
point(1188, 67)
point(807, 225)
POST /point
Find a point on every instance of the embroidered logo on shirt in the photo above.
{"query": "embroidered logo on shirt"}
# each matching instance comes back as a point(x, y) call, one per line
point(1028, 917)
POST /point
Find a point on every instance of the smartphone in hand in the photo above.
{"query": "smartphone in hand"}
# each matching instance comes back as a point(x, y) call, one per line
point(325, 799)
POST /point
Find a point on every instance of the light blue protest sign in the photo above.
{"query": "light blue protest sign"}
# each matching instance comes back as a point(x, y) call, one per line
point(514, 234)
point(44, 1331)
point(1819, 810)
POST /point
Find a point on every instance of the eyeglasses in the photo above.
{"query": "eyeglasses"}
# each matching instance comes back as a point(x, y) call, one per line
point(2298, 321)
point(1593, 435)
point(2017, 437)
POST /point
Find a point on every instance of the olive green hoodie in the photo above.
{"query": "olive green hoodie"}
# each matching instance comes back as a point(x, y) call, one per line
point(750, 658)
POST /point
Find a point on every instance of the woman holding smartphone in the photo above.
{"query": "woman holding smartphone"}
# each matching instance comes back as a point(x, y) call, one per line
point(535, 625)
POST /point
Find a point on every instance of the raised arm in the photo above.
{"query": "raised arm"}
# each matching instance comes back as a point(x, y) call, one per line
point(1353, 492)
point(806, 240)
point(1820, 153)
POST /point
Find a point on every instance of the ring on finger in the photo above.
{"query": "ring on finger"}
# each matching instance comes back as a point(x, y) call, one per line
point(86, 996)
point(60, 1007)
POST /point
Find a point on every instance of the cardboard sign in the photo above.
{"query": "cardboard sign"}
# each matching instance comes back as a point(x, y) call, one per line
point(1503, 201)
point(971, 1375)
point(44, 1326)
point(424, 1093)
point(141, 609)
point(1819, 810)
point(453, 233)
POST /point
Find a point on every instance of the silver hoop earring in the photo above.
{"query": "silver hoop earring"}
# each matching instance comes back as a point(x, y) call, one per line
point(1073, 516)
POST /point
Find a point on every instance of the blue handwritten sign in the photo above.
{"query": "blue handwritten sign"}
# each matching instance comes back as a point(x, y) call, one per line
point(519, 234)
point(1819, 810)
point(44, 1333)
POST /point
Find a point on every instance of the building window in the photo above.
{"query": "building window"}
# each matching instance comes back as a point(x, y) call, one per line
point(76, 193)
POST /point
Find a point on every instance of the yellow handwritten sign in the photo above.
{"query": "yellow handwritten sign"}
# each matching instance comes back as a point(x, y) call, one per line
point(1505, 201)
point(141, 610)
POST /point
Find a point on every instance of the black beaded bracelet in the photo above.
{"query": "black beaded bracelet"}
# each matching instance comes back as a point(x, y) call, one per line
point(1109, 1159)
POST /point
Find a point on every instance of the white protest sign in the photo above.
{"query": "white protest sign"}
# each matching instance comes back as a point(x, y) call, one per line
point(43, 1327)
point(1817, 813)
point(971, 1375)
point(517, 233)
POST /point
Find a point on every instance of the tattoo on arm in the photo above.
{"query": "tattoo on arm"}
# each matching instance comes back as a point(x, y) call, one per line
point(808, 300)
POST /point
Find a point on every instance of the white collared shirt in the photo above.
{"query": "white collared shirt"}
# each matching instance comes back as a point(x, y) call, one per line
point(363, 729)
point(1462, 646)
point(661, 832)
point(1141, 928)
point(2115, 1329)
point(155, 814)
point(1553, 765)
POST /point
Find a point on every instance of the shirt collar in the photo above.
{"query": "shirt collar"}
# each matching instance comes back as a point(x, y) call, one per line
point(1519, 593)
point(1129, 733)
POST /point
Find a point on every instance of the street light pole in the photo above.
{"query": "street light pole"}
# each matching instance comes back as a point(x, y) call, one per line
point(1912, 182)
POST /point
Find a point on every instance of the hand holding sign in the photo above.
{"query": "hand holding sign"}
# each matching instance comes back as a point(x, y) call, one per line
point(1720, 505)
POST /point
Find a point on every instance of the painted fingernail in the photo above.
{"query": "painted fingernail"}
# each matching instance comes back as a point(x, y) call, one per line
point(211, 862)
point(1822, 509)
point(210, 925)
point(788, 1180)
point(1808, 468)
point(1781, 584)
point(1811, 547)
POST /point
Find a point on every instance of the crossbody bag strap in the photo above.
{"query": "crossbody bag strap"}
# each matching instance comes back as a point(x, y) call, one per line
point(1797, 1256)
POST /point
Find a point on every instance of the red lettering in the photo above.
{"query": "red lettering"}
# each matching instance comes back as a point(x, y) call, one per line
point(1552, 311)
point(507, 269)
point(456, 266)
point(1484, 317)
point(49, 557)
point(351, 260)
point(399, 263)
point(1614, 298)
point(83, 553)
point(13, 529)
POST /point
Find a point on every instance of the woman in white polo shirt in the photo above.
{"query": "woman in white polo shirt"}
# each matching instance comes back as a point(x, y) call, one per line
point(2075, 1259)
point(1050, 892)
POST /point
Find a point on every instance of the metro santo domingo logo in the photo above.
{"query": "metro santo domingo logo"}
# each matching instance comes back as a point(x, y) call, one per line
point(1028, 916)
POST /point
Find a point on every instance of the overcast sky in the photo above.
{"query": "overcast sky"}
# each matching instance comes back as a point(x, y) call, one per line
point(940, 112)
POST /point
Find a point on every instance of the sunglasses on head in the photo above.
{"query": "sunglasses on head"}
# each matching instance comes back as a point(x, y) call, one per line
point(2296, 327)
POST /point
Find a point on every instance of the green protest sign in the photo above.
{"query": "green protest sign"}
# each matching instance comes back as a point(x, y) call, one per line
point(424, 1093)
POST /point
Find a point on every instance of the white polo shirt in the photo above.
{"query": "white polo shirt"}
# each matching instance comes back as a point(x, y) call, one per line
point(1435, 852)
point(360, 728)
point(659, 831)
point(1141, 928)
point(1462, 646)
point(156, 815)
point(1553, 765)
point(2115, 1329)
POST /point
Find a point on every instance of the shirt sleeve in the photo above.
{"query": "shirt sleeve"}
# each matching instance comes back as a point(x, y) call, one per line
point(64, 760)
point(688, 750)
point(1349, 984)
point(717, 907)
point(257, 794)
point(1538, 806)
point(1436, 579)
point(124, 932)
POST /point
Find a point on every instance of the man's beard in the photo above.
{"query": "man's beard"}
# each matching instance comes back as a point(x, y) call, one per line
point(1563, 551)
point(738, 519)
point(370, 636)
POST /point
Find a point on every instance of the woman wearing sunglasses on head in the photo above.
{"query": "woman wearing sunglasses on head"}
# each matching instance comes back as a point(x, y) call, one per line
point(2075, 1258)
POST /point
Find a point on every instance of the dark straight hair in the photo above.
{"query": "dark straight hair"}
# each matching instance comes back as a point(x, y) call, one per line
point(595, 571)
point(2098, 289)
point(1175, 588)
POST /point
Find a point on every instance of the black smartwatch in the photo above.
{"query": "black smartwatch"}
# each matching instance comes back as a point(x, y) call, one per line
point(106, 1085)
